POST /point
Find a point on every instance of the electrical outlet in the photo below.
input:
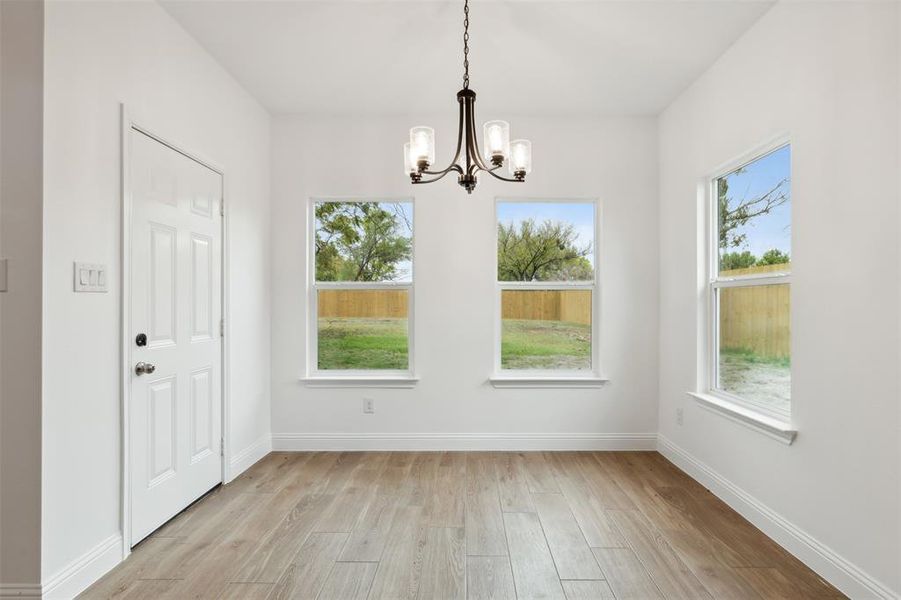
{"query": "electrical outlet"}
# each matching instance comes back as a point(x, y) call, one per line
point(368, 406)
point(679, 416)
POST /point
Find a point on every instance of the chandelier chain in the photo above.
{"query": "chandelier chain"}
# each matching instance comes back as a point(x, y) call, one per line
point(466, 44)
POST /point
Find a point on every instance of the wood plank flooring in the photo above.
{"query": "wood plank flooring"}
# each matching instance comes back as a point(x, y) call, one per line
point(456, 525)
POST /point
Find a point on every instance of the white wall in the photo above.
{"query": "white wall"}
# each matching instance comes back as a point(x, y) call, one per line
point(21, 108)
point(826, 73)
point(613, 159)
point(98, 55)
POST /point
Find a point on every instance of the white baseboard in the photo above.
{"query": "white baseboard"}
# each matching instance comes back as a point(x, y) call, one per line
point(8, 591)
point(463, 441)
point(246, 458)
point(78, 575)
point(847, 577)
point(835, 569)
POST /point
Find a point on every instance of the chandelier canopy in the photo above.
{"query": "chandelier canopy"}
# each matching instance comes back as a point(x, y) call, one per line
point(419, 152)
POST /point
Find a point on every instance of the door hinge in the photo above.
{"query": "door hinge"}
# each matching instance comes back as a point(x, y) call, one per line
point(221, 447)
point(222, 207)
point(221, 327)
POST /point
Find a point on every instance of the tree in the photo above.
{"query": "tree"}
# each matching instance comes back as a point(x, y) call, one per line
point(774, 257)
point(737, 216)
point(737, 260)
point(541, 252)
point(336, 223)
point(577, 269)
point(360, 241)
point(379, 249)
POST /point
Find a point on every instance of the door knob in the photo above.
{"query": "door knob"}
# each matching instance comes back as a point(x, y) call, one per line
point(143, 368)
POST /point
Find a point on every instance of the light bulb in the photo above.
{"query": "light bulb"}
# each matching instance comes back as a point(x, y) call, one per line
point(520, 157)
point(422, 144)
point(497, 139)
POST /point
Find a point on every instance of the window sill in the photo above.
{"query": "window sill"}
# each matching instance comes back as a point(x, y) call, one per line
point(373, 381)
point(506, 381)
point(769, 426)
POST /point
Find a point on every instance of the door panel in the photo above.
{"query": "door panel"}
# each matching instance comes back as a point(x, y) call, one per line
point(201, 414)
point(201, 287)
point(162, 297)
point(163, 434)
point(176, 290)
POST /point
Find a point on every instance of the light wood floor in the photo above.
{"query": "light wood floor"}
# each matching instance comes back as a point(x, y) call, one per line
point(426, 525)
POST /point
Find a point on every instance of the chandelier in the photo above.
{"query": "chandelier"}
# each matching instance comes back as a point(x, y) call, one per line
point(419, 152)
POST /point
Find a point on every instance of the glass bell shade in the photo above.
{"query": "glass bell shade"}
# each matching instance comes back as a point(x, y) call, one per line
point(520, 156)
point(409, 161)
point(422, 144)
point(496, 136)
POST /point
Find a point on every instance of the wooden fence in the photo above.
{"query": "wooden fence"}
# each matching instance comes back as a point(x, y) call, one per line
point(751, 318)
point(364, 304)
point(756, 318)
point(544, 305)
point(573, 306)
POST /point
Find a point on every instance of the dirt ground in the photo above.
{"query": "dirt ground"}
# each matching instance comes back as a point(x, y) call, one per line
point(766, 383)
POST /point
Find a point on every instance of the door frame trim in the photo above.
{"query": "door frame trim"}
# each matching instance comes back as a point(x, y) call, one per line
point(129, 123)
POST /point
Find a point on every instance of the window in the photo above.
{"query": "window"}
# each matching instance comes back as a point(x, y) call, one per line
point(750, 284)
point(362, 288)
point(546, 279)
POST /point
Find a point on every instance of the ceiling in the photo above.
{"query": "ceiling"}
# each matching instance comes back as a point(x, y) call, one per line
point(625, 57)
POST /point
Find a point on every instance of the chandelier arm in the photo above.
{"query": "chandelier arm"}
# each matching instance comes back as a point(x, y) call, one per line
point(453, 164)
point(453, 167)
point(501, 177)
point(473, 141)
point(479, 162)
point(459, 133)
point(477, 165)
point(469, 132)
point(472, 145)
point(441, 174)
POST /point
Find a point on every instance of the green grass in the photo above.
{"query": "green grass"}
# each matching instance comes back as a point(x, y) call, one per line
point(748, 356)
point(368, 344)
point(376, 344)
point(530, 344)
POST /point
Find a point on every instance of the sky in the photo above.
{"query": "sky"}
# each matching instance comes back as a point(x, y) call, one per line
point(772, 230)
point(579, 214)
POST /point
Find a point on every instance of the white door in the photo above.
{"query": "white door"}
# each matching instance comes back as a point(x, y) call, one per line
point(174, 332)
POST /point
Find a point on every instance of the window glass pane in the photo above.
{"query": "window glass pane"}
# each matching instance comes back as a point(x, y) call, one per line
point(755, 344)
point(546, 329)
point(545, 241)
point(363, 329)
point(754, 216)
point(364, 241)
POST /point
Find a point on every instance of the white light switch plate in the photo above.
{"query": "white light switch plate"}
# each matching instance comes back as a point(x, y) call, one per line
point(90, 277)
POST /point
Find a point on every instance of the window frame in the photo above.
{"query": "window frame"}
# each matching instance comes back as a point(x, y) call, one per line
point(714, 282)
point(550, 377)
point(316, 377)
